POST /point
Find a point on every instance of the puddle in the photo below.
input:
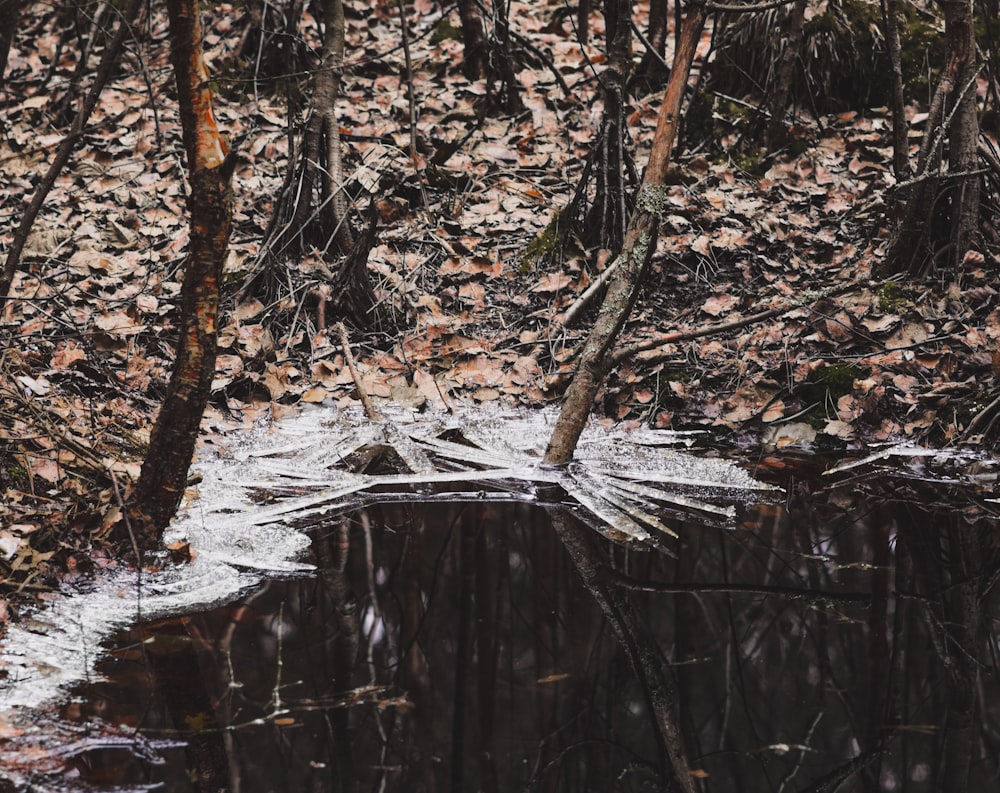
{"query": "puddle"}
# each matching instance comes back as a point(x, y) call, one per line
point(836, 631)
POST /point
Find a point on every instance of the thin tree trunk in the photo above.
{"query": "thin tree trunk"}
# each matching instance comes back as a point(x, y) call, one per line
point(66, 147)
point(652, 71)
point(637, 250)
point(10, 14)
point(963, 135)
point(786, 73)
point(900, 142)
point(952, 115)
point(474, 52)
point(171, 448)
point(503, 60)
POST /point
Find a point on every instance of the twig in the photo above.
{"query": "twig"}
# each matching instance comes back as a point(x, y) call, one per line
point(370, 410)
point(639, 585)
point(745, 9)
point(584, 300)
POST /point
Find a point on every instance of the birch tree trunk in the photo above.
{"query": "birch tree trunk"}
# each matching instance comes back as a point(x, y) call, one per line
point(637, 250)
point(164, 473)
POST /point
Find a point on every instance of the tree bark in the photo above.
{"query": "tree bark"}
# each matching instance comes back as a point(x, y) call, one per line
point(952, 115)
point(637, 250)
point(786, 73)
point(210, 163)
point(320, 172)
point(10, 14)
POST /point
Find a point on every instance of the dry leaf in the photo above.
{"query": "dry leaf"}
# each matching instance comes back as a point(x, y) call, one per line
point(718, 304)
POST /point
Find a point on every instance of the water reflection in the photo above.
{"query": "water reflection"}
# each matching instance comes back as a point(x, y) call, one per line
point(840, 640)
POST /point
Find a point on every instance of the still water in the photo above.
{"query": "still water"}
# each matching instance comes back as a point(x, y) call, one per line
point(839, 637)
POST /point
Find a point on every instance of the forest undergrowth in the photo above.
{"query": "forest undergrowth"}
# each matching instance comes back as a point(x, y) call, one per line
point(472, 288)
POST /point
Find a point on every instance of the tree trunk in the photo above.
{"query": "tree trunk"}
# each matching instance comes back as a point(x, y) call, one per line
point(606, 221)
point(271, 42)
point(900, 142)
point(786, 73)
point(164, 472)
point(474, 52)
point(637, 250)
point(953, 201)
point(319, 170)
point(10, 13)
point(651, 71)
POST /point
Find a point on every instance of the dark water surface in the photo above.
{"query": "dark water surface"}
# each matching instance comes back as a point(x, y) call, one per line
point(840, 639)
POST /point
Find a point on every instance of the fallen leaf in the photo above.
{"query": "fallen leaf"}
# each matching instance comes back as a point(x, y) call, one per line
point(718, 304)
point(774, 412)
point(552, 282)
point(793, 434)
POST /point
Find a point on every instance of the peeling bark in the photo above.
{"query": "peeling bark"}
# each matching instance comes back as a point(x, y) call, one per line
point(164, 473)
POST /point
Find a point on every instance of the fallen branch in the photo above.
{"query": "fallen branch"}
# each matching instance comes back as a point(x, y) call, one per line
point(637, 585)
point(722, 327)
point(66, 147)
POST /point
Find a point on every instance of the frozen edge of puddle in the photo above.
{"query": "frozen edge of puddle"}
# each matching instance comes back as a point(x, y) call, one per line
point(238, 542)
point(60, 645)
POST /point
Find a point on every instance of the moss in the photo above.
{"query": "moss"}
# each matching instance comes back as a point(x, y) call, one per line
point(545, 244)
point(751, 161)
point(13, 474)
point(829, 383)
point(445, 31)
point(890, 296)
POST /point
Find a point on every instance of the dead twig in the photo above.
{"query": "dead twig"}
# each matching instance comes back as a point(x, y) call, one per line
point(370, 410)
point(632, 350)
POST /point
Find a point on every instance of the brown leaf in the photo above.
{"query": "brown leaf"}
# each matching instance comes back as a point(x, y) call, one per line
point(718, 304)
point(552, 282)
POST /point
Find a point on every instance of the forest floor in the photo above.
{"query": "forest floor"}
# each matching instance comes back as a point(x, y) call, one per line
point(87, 338)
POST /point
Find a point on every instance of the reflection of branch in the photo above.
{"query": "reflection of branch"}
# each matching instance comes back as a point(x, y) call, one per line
point(638, 585)
point(644, 656)
point(832, 781)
